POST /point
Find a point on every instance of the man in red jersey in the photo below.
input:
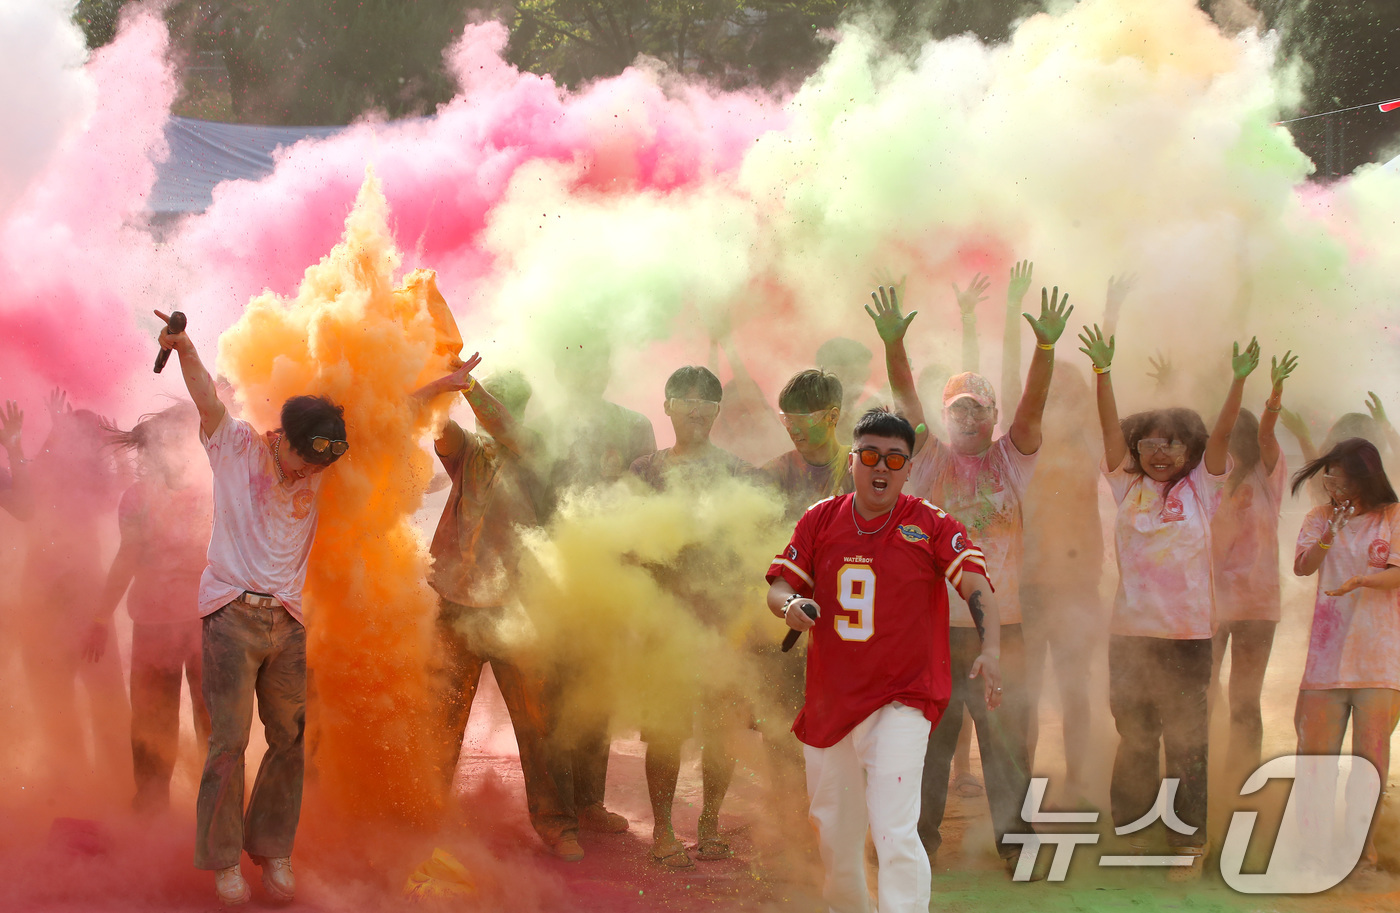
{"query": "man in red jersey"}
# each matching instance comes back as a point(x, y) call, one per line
point(872, 566)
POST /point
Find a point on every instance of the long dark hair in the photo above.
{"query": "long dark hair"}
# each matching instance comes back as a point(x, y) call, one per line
point(1361, 461)
point(149, 431)
point(1244, 447)
point(1183, 425)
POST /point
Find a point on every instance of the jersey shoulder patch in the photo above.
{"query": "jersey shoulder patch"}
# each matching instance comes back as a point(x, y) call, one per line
point(820, 503)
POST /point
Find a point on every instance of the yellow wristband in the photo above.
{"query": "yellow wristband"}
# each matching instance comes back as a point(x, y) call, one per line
point(1323, 545)
point(1047, 346)
point(471, 385)
point(1098, 370)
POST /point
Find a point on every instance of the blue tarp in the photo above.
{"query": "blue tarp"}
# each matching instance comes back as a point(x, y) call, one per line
point(203, 153)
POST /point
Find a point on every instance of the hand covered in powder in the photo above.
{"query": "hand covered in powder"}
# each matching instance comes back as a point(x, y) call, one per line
point(1100, 352)
point(1020, 282)
point(976, 293)
point(1244, 363)
point(58, 403)
point(11, 425)
point(1373, 405)
point(889, 322)
point(1353, 583)
point(1054, 314)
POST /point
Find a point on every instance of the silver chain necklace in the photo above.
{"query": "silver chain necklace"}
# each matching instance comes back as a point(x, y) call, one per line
point(872, 532)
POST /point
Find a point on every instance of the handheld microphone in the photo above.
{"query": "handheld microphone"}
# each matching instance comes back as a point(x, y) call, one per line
point(176, 324)
point(791, 640)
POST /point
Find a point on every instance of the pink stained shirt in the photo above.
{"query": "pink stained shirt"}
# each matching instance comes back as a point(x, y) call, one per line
point(169, 531)
point(1355, 640)
point(985, 494)
point(1245, 546)
point(1163, 540)
point(263, 530)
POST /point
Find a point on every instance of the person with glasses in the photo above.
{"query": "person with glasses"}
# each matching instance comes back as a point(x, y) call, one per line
point(867, 575)
point(1167, 476)
point(981, 480)
point(254, 638)
point(1353, 666)
point(476, 574)
point(692, 403)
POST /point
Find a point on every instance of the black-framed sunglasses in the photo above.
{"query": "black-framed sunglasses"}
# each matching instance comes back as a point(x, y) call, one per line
point(321, 444)
point(894, 461)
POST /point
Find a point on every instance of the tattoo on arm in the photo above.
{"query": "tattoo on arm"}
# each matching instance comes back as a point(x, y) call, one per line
point(974, 605)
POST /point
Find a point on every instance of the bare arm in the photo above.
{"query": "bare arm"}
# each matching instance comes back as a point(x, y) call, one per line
point(1016, 289)
point(780, 600)
point(1100, 352)
point(982, 603)
point(1307, 563)
point(1388, 579)
point(197, 379)
point(1217, 454)
point(967, 305)
point(891, 324)
point(1054, 314)
point(494, 418)
point(1118, 289)
point(18, 499)
point(1269, 450)
point(119, 577)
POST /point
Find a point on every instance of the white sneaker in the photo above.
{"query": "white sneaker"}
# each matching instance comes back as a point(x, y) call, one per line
point(277, 877)
point(231, 887)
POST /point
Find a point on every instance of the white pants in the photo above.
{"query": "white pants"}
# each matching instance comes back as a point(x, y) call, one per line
point(872, 778)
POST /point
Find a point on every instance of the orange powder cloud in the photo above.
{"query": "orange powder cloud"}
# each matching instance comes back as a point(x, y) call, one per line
point(349, 334)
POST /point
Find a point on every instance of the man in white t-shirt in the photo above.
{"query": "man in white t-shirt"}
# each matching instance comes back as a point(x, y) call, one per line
point(981, 482)
point(265, 487)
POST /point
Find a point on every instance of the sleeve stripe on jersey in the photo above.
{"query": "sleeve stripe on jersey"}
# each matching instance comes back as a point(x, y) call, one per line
point(796, 570)
point(955, 570)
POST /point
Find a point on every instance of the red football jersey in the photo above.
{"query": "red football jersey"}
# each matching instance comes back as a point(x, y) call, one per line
point(883, 631)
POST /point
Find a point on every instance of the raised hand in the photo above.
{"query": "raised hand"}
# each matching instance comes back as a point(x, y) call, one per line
point(58, 403)
point(1373, 405)
point(1020, 281)
point(1100, 352)
point(976, 293)
point(1054, 314)
point(1244, 363)
point(1280, 369)
point(461, 379)
point(1294, 423)
point(889, 322)
point(1161, 369)
point(1118, 289)
point(1341, 515)
point(167, 339)
point(11, 425)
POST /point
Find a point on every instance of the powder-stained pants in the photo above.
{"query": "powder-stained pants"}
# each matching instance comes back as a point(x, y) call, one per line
point(1157, 692)
point(249, 651)
point(542, 761)
point(161, 655)
point(1001, 738)
point(871, 778)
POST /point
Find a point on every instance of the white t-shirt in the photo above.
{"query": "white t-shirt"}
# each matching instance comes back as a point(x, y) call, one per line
point(1164, 553)
point(263, 530)
point(984, 493)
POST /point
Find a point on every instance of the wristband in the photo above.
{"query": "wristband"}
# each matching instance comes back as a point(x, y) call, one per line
point(1047, 346)
point(1098, 370)
point(1278, 408)
point(471, 385)
point(1323, 545)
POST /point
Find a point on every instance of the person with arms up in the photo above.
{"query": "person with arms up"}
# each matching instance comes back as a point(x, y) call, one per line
point(265, 491)
point(867, 574)
point(982, 481)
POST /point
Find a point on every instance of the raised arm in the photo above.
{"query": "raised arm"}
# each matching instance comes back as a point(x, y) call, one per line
point(1054, 314)
point(1269, 450)
point(494, 418)
point(1373, 405)
point(18, 499)
point(892, 325)
point(197, 379)
point(1016, 289)
point(1118, 289)
point(1218, 446)
point(1100, 352)
point(982, 603)
point(967, 304)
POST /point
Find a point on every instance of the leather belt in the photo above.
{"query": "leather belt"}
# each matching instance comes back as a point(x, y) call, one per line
point(259, 600)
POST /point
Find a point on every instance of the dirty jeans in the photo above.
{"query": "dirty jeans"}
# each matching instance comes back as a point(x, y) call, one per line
point(542, 761)
point(249, 651)
point(161, 655)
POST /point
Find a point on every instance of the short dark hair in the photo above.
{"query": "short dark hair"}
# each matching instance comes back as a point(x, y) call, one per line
point(305, 417)
point(884, 422)
point(1361, 461)
point(1184, 425)
point(811, 390)
point(695, 376)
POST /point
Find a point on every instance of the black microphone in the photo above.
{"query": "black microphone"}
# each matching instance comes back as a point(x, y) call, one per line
point(791, 640)
point(176, 324)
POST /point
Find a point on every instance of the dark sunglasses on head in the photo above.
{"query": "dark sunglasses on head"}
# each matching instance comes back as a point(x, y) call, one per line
point(895, 461)
point(322, 444)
